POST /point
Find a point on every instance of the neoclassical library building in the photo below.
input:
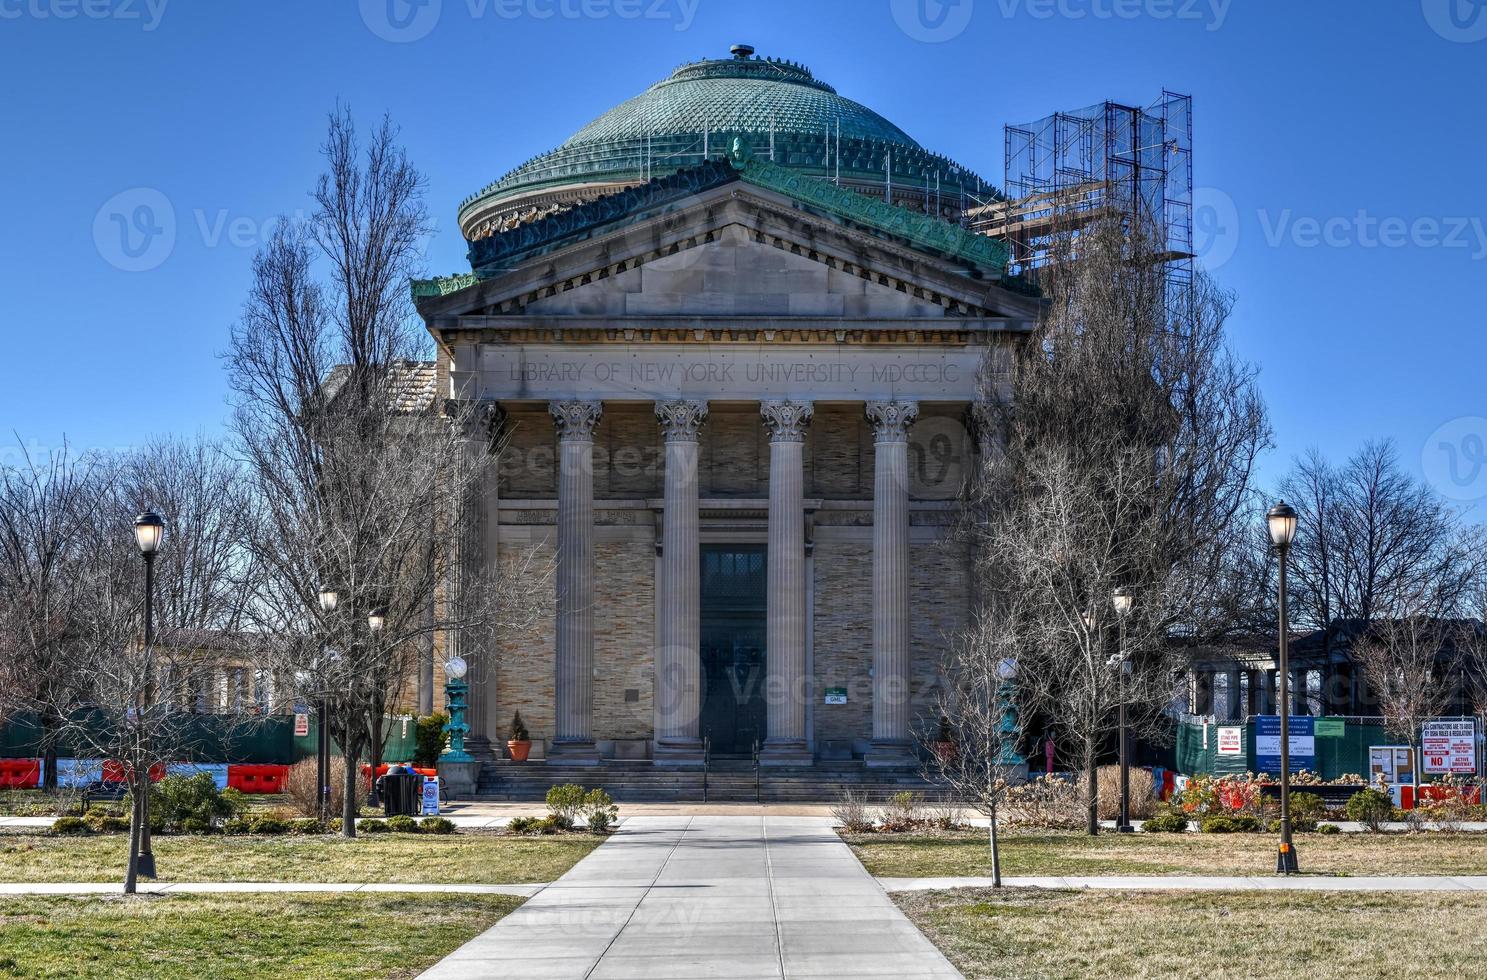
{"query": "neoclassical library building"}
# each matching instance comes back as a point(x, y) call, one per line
point(732, 335)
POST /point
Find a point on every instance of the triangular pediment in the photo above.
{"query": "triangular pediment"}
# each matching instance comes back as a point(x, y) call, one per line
point(732, 250)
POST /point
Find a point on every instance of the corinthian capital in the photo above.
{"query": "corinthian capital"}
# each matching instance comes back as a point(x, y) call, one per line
point(786, 419)
point(474, 419)
point(575, 420)
point(681, 419)
point(891, 420)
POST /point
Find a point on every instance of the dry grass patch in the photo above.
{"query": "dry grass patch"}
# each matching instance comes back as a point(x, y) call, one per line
point(1026, 933)
point(1068, 853)
point(391, 858)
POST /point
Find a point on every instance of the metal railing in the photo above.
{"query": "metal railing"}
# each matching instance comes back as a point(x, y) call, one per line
point(757, 795)
point(707, 757)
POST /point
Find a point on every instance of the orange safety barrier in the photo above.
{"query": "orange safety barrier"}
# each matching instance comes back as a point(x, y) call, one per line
point(114, 771)
point(20, 773)
point(366, 772)
point(264, 778)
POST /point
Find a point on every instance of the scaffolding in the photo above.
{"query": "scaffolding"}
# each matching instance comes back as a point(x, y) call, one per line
point(1109, 160)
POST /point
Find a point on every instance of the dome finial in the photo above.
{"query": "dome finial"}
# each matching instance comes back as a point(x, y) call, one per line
point(741, 51)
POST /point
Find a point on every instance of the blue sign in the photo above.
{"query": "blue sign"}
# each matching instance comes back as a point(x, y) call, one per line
point(1267, 743)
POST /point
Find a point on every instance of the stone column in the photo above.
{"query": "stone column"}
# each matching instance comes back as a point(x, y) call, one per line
point(573, 687)
point(478, 425)
point(891, 745)
point(785, 744)
point(678, 692)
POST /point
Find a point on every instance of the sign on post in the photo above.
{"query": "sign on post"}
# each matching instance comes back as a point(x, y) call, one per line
point(430, 796)
point(1391, 768)
point(1231, 740)
point(1449, 745)
point(1267, 743)
point(1329, 728)
point(301, 725)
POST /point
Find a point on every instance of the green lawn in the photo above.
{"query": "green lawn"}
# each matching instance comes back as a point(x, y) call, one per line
point(393, 858)
point(1065, 853)
point(188, 936)
point(1027, 933)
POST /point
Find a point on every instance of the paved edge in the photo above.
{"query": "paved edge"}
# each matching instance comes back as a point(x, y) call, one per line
point(1373, 883)
point(260, 887)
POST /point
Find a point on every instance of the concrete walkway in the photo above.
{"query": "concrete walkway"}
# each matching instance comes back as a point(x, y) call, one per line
point(706, 896)
point(1321, 883)
point(255, 887)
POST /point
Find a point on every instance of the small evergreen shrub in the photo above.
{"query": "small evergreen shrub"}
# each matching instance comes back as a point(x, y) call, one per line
point(565, 803)
point(1245, 823)
point(70, 826)
point(523, 825)
point(436, 825)
point(308, 826)
point(1217, 824)
point(1329, 828)
point(1168, 822)
point(1306, 807)
point(195, 825)
point(268, 826)
point(236, 827)
point(431, 739)
point(402, 824)
point(599, 811)
point(178, 799)
point(1370, 807)
point(373, 826)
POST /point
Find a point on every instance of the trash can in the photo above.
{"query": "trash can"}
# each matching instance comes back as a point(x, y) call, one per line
point(402, 792)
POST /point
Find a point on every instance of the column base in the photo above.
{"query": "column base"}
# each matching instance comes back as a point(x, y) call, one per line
point(679, 753)
point(891, 754)
point(460, 778)
point(785, 752)
point(574, 753)
point(480, 747)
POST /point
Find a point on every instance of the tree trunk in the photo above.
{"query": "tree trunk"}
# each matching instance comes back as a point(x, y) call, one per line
point(1092, 782)
point(49, 723)
point(377, 736)
point(143, 781)
point(131, 875)
point(996, 853)
point(351, 793)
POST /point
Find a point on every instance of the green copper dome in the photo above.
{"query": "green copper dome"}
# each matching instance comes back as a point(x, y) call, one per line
point(784, 112)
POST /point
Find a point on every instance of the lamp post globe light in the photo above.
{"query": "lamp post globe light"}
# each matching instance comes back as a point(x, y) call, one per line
point(454, 697)
point(1007, 756)
point(1123, 600)
point(149, 534)
point(377, 618)
point(329, 599)
point(1281, 522)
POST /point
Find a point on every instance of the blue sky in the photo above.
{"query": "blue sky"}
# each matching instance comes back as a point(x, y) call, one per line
point(1339, 150)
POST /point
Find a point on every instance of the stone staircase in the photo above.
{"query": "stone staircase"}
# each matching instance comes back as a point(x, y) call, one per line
point(725, 781)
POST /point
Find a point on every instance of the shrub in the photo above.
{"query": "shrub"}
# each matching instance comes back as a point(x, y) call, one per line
point(308, 826)
point(1167, 822)
point(519, 731)
point(70, 825)
point(373, 826)
point(599, 811)
point(191, 825)
point(552, 824)
point(267, 826)
point(1218, 824)
point(521, 825)
point(110, 824)
point(901, 812)
point(300, 785)
point(1306, 808)
point(1047, 802)
point(565, 803)
point(237, 827)
point(1143, 804)
point(1329, 828)
point(194, 799)
point(1370, 807)
point(1245, 823)
point(430, 738)
point(402, 824)
point(851, 811)
point(436, 825)
point(946, 815)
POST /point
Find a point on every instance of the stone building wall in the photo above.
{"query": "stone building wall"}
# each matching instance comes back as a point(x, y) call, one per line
point(624, 634)
point(842, 640)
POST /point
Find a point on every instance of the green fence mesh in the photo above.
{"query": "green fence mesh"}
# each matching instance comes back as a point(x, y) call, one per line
point(1337, 755)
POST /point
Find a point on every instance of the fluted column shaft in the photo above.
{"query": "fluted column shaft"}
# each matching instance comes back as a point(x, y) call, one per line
point(478, 425)
point(890, 744)
point(785, 639)
point(573, 682)
point(678, 694)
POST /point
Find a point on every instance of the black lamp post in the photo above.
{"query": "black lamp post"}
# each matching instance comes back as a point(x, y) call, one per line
point(1281, 520)
point(376, 619)
point(1122, 600)
point(149, 532)
point(329, 600)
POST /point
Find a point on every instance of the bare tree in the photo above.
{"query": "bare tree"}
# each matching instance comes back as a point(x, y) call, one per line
point(1407, 663)
point(361, 481)
point(1127, 436)
point(977, 701)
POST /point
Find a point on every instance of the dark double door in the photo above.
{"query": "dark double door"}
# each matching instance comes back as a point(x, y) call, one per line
point(733, 654)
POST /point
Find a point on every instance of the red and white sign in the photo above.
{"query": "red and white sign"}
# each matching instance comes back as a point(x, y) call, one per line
point(1449, 746)
point(301, 725)
point(1231, 740)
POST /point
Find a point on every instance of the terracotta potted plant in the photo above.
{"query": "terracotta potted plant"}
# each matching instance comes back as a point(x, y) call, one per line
point(519, 745)
point(945, 741)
